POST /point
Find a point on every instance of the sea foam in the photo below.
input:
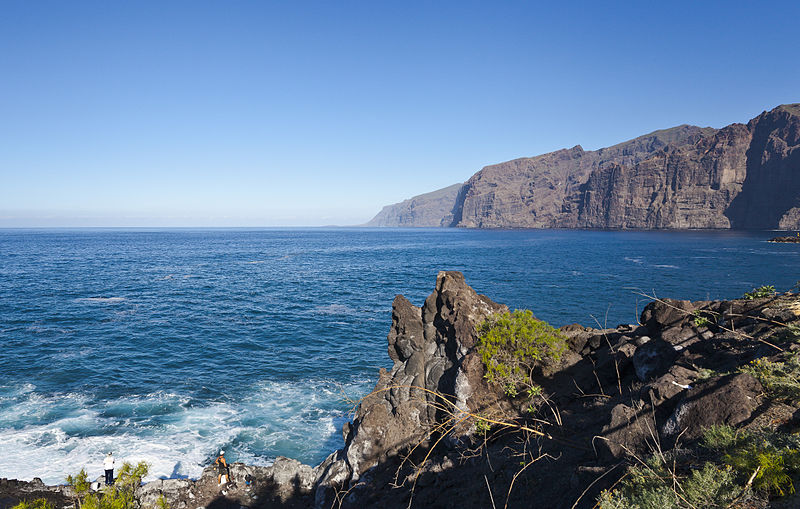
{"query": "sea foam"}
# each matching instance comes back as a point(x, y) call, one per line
point(51, 436)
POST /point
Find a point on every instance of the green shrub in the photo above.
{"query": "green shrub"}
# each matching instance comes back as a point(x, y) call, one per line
point(482, 426)
point(790, 333)
point(772, 473)
point(706, 373)
point(721, 438)
point(118, 496)
point(760, 292)
point(534, 390)
point(655, 487)
point(80, 483)
point(39, 503)
point(711, 486)
point(771, 455)
point(700, 320)
point(780, 379)
point(512, 344)
point(162, 503)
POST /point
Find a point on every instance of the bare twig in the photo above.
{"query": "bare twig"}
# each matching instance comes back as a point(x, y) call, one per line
point(511, 486)
point(593, 483)
point(750, 481)
point(744, 490)
point(491, 497)
point(598, 382)
point(340, 495)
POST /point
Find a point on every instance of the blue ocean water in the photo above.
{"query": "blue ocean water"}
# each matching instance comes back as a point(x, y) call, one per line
point(167, 345)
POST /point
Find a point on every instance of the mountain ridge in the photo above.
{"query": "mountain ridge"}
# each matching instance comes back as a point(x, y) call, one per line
point(741, 176)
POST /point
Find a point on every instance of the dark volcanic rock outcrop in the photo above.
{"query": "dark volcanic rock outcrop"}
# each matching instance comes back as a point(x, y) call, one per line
point(598, 407)
point(789, 240)
point(433, 349)
point(287, 484)
point(13, 491)
point(740, 176)
point(727, 400)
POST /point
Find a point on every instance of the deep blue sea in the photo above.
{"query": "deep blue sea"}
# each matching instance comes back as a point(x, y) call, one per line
point(168, 345)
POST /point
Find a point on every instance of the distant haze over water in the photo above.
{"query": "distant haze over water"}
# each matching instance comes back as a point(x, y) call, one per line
point(167, 345)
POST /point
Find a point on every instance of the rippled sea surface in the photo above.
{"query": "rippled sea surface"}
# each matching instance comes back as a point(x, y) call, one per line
point(167, 345)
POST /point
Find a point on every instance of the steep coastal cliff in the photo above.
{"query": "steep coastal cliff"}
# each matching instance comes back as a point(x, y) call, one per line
point(429, 209)
point(740, 176)
point(435, 433)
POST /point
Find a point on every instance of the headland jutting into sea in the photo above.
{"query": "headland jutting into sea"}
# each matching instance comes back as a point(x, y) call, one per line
point(703, 389)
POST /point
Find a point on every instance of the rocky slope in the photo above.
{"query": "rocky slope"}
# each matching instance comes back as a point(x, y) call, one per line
point(616, 397)
point(430, 209)
point(740, 176)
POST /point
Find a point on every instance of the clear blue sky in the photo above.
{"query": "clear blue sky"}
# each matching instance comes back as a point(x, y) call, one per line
point(195, 113)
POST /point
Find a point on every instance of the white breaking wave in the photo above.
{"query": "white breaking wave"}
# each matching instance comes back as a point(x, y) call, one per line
point(53, 436)
point(104, 300)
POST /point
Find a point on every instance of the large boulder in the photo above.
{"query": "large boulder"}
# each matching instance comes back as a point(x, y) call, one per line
point(174, 492)
point(631, 431)
point(727, 400)
point(666, 313)
point(652, 359)
point(669, 385)
point(289, 476)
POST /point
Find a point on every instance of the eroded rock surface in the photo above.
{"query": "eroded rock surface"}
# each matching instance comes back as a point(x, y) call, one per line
point(433, 352)
point(727, 400)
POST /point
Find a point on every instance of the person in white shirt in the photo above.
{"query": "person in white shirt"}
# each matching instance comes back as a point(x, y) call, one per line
point(108, 464)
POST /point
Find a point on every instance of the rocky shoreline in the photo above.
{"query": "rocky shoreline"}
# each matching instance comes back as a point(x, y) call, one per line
point(435, 433)
point(795, 239)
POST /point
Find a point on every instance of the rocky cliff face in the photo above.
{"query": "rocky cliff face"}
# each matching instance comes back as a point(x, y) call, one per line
point(433, 352)
point(688, 186)
point(430, 209)
point(741, 176)
point(543, 191)
point(770, 195)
